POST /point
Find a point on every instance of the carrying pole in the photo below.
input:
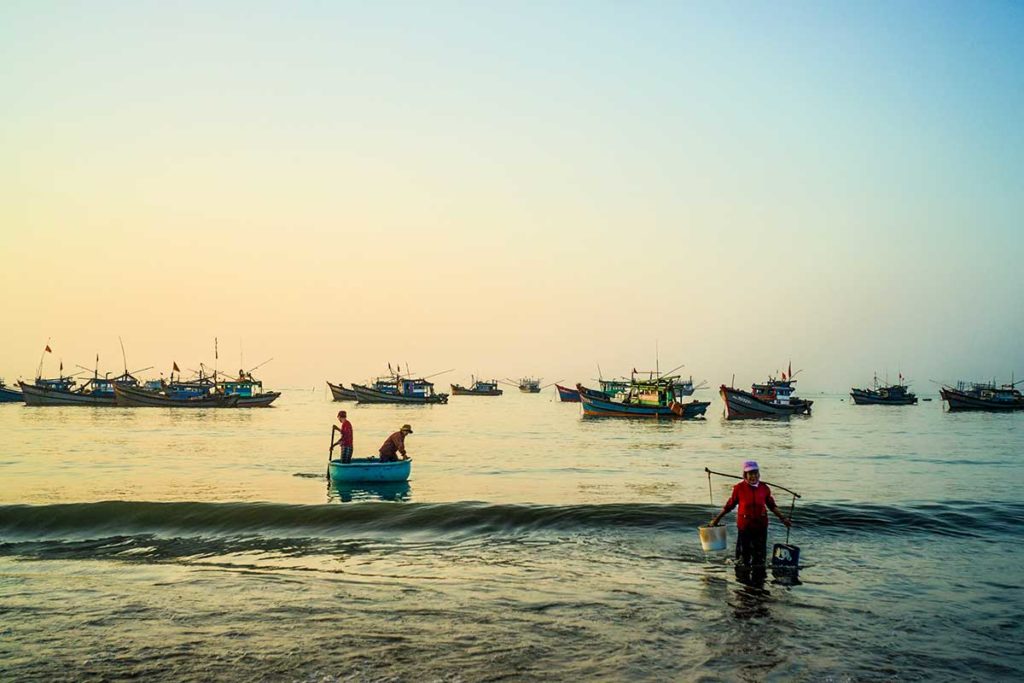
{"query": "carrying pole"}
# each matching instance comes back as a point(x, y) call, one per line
point(733, 476)
point(791, 507)
point(711, 498)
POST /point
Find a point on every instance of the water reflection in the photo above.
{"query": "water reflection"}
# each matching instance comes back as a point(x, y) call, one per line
point(396, 492)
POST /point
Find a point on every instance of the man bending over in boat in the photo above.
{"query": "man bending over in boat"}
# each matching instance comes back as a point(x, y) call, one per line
point(754, 499)
point(345, 441)
point(394, 445)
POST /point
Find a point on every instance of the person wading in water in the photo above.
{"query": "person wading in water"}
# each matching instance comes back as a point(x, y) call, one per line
point(754, 500)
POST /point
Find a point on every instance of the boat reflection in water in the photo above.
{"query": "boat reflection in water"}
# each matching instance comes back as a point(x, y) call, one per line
point(395, 492)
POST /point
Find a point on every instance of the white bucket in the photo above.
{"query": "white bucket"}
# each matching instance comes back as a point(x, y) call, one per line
point(712, 537)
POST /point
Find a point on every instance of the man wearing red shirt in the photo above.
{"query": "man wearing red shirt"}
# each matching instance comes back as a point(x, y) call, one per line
point(347, 442)
point(754, 500)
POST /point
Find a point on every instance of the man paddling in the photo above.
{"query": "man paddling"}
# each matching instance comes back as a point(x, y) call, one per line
point(347, 442)
point(394, 445)
point(754, 499)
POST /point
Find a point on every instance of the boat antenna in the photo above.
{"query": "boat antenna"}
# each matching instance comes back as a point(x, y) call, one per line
point(656, 360)
point(215, 358)
point(46, 350)
point(123, 356)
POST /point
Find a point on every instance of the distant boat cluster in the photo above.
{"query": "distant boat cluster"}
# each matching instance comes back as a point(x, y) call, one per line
point(653, 394)
point(642, 394)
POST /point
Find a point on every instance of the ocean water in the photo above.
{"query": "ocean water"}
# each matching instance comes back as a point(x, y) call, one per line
point(529, 544)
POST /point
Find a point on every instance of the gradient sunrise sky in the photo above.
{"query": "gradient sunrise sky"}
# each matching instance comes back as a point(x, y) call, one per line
point(515, 188)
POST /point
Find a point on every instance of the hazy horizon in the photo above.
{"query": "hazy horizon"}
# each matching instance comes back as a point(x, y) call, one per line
point(527, 189)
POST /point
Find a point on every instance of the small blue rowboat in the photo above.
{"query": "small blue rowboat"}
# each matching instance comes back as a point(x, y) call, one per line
point(369, 469)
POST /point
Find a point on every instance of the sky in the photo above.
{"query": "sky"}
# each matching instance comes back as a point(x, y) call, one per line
point(516, 188)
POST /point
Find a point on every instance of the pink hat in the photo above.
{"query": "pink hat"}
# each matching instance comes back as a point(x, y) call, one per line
point(750, 466)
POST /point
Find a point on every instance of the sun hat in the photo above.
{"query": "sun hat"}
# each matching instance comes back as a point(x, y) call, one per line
point(750, 466)
point(406, 428)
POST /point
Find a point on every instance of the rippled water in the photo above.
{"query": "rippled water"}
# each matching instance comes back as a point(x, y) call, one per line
point(530, 543)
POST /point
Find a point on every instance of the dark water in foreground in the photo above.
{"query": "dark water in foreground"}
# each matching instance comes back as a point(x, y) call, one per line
point(911, 530)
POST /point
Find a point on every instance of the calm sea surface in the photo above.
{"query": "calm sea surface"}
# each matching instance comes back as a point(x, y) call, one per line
point(529, 544)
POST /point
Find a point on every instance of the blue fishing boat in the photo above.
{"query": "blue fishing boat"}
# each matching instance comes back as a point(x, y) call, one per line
point(652, 397)
point(401, 389)
point(369, 470)
point(248, 389)
point(567, 395)
point(9, 395)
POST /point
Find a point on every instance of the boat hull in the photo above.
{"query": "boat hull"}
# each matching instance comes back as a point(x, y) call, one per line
point(530, 390)
point(340, 393)
point(259, 400)
point(458, 390)
point(567, 395)
point(131, 397)
point(370, 395)
point(959, 401)
point(369, 469)
point(41, 396)
point(11, 396)
point(595, 407)
point(862, 397)
point(742, 405)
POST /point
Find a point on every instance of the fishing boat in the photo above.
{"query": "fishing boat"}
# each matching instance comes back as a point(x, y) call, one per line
point(61, 391)
point(567, 395)
point(8, 395)
point(369, 470)
point(406, 390)
point(983, 396)
point(479, 387)
point(652, 397)
point(248, 389)
point(772, 399)
point(181, 397)
point(529, 385)
point(883, 395)
point(340, 393)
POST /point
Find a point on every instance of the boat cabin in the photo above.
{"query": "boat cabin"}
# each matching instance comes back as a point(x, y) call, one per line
point(774, 391)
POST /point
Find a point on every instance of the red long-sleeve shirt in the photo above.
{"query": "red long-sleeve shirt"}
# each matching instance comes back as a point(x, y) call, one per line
point(346, 434)
point(754, 503)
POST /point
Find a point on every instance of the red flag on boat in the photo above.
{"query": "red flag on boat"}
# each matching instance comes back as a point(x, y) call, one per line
point(783, 377)
point(175, 367)
point(48, 349)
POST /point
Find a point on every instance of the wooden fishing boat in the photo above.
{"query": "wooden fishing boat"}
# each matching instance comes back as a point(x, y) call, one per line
point(529, 385)
point(567, 395)
point(986, 396)
point(249, 391)
point(477, 388)
point(773, 399)
point(369, 470)
point(340, 393)
point(406, 391)
point(61, 391)
point(882, 395)
point(653, 397)
point(135, 397)
point(8, 395)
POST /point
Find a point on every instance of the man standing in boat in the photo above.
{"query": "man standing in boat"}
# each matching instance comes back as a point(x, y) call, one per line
point(347, 442)
point(394, 445)
point(754, 499)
